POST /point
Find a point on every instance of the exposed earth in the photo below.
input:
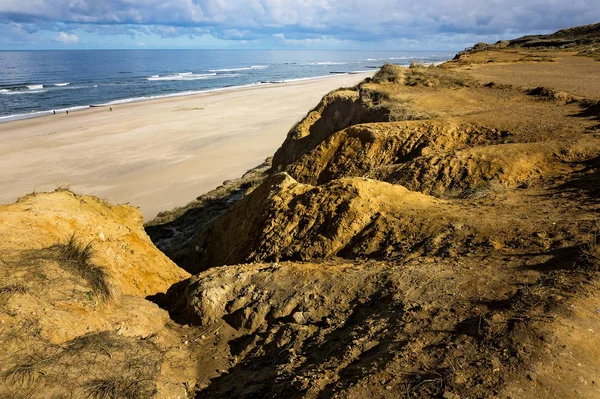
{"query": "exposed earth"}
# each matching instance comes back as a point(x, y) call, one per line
point(431, 232)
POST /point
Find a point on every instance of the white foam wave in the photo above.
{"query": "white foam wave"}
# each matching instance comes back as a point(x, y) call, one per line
point(35, 87)
point(30, 91)
point(40, 113)
point(192, 92)
point(181, 76)
point(62, 84)
point(239, 69)
point(327, 63)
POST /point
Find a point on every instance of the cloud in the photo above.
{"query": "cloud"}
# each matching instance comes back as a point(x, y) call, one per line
point(303, 22)
point(67, 38)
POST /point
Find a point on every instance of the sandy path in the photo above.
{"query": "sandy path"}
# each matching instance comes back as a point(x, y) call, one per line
point(156, 154)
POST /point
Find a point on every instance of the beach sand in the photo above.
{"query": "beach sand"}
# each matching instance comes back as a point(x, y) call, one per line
point(156, 154)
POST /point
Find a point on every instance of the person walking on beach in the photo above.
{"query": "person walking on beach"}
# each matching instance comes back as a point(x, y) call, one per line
point(67, 112)
point(110, 109)
point(54, 112)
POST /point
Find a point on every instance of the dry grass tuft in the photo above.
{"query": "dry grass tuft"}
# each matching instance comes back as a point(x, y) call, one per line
point(416, 64)
point(28, 372)
point(8, 291)
point(591, 249)
point(13, 289)
point(389, 73)
point(116, 387)
point(482, 190)
point(63, 187)
point(78, 257)
point(103, 343)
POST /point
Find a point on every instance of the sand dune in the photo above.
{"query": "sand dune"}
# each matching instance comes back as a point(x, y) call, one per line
point(155, 154)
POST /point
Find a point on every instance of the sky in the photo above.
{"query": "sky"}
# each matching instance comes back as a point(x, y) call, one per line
point(281, 24)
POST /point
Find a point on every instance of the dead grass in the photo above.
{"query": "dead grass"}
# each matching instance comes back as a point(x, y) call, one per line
point(389, 73)
point(96, 365)
point(8, 291)
point(29, 371)
point(417, 74)
point(117, 387)
point(103, 343)
point(593, 52)
point(13, 289)
point(397, 109)
point(435, 77)
point(485, 189)
point(591, 250)
point(78, 257)
point(416, 64)
point(26, 330)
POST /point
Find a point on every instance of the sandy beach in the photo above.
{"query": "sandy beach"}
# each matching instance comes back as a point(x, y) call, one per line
point(156, 154)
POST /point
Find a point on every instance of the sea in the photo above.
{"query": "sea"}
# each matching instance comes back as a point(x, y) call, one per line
point(36, 83)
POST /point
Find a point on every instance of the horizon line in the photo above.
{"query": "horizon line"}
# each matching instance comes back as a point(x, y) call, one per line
point(219, 49)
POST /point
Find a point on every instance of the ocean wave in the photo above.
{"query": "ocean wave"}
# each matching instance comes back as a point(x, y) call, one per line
point(181, 76)
point(239, 69)
point(30, 91)
point(179, 94)
point(204, 91)
point(153, 97)
point(326, 63)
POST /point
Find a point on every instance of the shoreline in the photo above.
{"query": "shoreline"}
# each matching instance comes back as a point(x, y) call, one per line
point(78, 108)
point(156, 154)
